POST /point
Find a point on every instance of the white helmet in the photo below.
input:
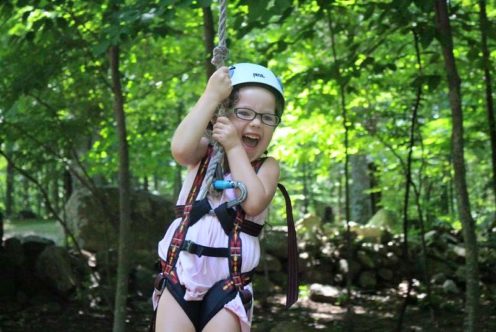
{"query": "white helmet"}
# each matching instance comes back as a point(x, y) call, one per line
point(249, 73)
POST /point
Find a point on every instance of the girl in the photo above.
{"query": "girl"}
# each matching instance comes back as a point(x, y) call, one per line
point(209, 252)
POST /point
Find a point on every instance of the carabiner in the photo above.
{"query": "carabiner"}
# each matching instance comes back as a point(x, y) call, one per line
point(229, 184)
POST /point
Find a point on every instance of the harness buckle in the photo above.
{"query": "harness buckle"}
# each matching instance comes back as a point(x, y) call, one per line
point(192, 248)
point(160, 283)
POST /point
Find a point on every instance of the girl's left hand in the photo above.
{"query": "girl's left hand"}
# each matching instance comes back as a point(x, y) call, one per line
point(225, 133)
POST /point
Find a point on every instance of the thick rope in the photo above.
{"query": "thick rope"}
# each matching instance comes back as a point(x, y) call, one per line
point(220, 54)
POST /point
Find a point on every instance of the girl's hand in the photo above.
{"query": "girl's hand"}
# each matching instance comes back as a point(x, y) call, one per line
point(219, 85)
point(225, 133)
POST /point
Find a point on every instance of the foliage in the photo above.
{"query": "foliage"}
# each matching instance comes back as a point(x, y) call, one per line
point(56, 102)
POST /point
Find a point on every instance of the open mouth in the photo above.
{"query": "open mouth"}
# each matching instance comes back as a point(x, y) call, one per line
point(250, 140)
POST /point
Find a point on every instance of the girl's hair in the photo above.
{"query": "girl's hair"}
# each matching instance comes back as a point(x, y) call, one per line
point(234, 97)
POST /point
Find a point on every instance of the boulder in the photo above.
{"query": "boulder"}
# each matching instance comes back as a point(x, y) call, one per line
point(33, 246)
point(8, 274)
point(449, 287)
point(55, 268)
point(275, 242)
point(367, 280)
point(94, 220)
point(269, 263)
point(383, 219)
point(365, 259)
point(385, 274)
point(324, 294)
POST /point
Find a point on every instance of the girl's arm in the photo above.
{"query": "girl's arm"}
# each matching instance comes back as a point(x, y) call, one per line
point(188, 144)
point(261, 186)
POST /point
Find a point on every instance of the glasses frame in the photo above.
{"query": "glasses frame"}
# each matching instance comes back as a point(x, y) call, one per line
point(255, 114)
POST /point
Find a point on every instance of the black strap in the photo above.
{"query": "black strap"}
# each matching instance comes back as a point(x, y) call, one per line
point(199, 250)
point(292, 291)
point(226, 217)
point(199, 209)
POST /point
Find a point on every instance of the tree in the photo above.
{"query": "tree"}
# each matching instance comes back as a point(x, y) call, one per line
point(124, 196)
point(462, 197)
point(486, 67)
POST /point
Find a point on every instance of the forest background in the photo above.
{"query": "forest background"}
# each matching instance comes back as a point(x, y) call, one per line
point(389, 106)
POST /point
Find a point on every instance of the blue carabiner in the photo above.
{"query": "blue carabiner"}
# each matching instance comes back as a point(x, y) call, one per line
point(229, 184)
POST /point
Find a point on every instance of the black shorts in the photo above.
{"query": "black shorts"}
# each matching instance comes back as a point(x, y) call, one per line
point(201, 312)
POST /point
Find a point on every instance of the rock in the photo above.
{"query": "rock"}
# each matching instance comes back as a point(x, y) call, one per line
point(305, 262)
point(280, 279)
point(365, 259)
point(367, 280)
point(391, 259)
point(54, 267)
point(94, 220)
point(13, 248)
point(309, 222)
point(324, 294)
point(269, 263)
point(33, 246)
point(459, 251)
point(366, 232)
point(317, 275)
point(275, 243)
point(8, 274)
point(343, 267)
point(385, 274)
point(383, 219)
point(438, 278)
point(262, 289)
point(449, 287)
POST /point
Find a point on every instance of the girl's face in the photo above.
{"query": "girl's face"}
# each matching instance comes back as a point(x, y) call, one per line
point(254, 134)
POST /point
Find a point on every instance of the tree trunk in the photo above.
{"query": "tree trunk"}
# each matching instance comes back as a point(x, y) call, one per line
point(306, 191)
point(10, 192)
point(1, 229)
point(406, 200)
point(124, 196)
point(463, 202)
point(486, 64)
point(67, 185)
point(348, 321)
point(375, 196)
point(361, 203)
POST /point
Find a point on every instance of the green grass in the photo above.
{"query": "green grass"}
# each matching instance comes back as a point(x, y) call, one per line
point(49, 229)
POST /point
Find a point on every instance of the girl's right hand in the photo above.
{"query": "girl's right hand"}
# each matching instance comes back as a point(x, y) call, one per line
point(219, 85)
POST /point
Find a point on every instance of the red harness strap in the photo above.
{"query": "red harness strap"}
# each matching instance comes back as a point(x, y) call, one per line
point(239, 280)
point(180, 232)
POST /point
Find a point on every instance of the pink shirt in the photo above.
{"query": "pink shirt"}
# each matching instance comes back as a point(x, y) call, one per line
point(199, 274)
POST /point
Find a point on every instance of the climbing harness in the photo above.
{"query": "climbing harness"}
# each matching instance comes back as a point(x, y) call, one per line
point(233, 222)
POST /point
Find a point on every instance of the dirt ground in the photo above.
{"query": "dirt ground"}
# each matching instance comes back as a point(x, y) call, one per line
point(372, 312)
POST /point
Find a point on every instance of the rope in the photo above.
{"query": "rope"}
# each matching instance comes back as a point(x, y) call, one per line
point(220, 54)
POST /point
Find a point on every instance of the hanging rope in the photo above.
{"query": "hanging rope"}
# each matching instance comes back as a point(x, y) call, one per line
point(220, 54)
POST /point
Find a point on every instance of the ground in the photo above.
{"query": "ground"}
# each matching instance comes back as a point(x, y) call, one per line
point(373, 312)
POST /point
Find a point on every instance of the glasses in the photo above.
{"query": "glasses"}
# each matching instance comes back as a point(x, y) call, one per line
point(248, 114)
